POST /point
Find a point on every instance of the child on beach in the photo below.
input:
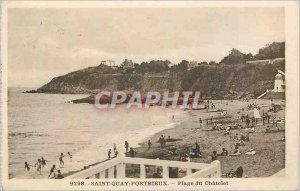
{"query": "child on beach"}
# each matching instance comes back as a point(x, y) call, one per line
point(126, 146)
point(70, 156)
point(109, 153)
point(61, 161)
point(59, 175)
point(43, 161)
point(39, 166)
point(52, 170)
point(27, 166)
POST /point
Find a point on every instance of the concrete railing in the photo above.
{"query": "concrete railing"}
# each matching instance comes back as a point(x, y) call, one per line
point(116, 168)
point(214, 170)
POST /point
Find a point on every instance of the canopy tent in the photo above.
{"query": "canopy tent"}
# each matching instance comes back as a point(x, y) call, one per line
point(253, 113)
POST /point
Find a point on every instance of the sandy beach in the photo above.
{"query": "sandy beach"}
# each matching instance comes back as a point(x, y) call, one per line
point(269, 147)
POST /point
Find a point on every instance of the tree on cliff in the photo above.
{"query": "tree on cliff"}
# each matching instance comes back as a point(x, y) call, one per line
point(213, 63)
point(154, 66)
point(234, 57)
point(182, 66)
point(271, 51)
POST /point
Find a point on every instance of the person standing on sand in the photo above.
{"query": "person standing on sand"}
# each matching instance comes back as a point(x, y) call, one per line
point(164, 142)
point(247, 121)
point(253, 121)
point(149, 144)
point(200, 122)
point(197, 149)
point(61, 161)
point(109, 153)
point(52, 170)
point(160, 140)
point(126, 146)
point(115, 147)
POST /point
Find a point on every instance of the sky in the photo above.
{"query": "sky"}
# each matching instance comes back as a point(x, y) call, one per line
point(46, 43)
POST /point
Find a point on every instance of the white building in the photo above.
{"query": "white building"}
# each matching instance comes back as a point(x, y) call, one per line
point(110, 63)
point(279, 84)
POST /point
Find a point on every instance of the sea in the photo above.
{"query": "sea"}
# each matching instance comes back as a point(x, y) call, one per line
point(46, 125)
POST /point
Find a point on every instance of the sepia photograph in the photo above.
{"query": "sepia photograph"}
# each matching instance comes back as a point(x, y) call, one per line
point(160, 93)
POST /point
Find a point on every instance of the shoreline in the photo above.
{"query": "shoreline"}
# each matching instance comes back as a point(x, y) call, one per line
point(138, 145)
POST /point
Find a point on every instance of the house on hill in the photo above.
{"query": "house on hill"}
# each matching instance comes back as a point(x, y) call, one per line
point(127, 64)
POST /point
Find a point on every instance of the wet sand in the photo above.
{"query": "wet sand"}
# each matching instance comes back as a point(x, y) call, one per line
point(269, 147)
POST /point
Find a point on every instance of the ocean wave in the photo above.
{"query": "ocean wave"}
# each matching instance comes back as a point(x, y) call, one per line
point(27, 134)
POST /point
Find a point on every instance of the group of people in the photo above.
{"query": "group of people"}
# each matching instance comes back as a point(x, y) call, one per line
point(128, 149)
point(162, 141)
point(252, 106)
point(41, 163)
point(116, 152)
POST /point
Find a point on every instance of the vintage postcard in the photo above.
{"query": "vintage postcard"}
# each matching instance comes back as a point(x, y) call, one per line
point(144, 95)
